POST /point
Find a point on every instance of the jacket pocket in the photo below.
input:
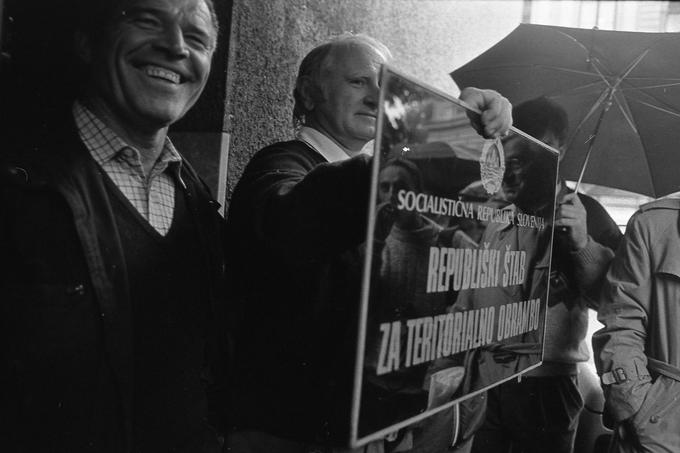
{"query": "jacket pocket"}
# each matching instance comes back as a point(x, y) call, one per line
point(656, 426)
point(661, 400)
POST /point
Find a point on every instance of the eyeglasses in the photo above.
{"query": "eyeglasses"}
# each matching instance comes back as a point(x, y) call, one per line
point(515, 164)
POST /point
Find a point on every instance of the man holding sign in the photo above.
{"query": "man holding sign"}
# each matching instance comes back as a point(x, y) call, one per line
point(296, 224)
point(540, 411)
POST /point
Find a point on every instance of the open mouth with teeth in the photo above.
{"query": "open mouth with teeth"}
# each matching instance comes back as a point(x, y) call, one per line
point(163, 74)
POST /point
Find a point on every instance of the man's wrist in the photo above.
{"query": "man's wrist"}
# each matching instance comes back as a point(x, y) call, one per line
point(584, 250)
point(580, 245)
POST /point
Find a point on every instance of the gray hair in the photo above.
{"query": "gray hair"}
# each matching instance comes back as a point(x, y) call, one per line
point(321, 58)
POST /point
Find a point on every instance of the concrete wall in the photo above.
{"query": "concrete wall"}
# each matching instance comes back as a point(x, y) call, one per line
point(269, 38)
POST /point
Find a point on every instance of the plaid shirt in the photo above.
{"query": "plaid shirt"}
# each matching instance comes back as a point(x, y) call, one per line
point(152, 196)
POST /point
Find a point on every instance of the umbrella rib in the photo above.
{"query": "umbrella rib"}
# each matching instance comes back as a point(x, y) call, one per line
point(635, 63)
point(656, 107)
point(594, 60)
point(593, 87)
point(644, 155)
point(663, 85)
point(660, 105)
point(623, 106)
point(541, 66)
point(631, 66)
point(591, 139)
point(590, 57)
point(568, 70)
point(659, 79)
point(576, 41)
point(590, 113)
point(652, 106)
point(600, 76)
point(609, 94)
point(596, 63)
point(625, 111)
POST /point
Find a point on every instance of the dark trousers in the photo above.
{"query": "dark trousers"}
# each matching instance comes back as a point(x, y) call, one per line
point(534, 415)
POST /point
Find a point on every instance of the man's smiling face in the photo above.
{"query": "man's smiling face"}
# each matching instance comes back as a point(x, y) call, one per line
point(152, 66)
point(347, 113)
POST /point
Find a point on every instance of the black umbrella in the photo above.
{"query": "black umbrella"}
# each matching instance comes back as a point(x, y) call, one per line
point(621, 90)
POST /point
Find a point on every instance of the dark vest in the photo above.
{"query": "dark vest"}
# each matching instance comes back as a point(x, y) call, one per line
point(168, 282)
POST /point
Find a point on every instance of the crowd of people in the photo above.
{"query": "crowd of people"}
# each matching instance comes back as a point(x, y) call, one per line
point(134, 318)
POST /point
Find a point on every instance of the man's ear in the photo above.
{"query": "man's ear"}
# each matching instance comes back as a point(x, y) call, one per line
point(83, 47)
point(310, 92)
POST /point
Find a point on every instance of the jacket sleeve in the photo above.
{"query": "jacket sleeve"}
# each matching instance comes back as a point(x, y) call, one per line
point(590, 267)
point(620, 346)
point(601, 227)
point(303, 210)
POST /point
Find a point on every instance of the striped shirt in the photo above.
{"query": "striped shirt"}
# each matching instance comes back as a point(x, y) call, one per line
point(153, 196)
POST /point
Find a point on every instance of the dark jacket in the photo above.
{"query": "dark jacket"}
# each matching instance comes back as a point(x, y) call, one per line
point(295, 228)
point(66, 330)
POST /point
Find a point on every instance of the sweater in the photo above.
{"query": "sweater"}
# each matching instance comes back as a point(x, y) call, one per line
point(575, 280)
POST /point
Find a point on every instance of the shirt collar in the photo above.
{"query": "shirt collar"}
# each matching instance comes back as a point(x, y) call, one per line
point(323, 145)
point(105, 145)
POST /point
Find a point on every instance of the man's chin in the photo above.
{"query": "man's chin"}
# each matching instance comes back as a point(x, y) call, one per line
point(366, 131)
point(161, 115)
